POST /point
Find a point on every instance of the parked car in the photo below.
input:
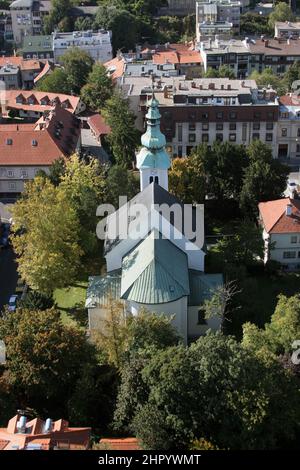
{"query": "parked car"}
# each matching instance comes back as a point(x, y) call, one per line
point(4, 234)
point(12, 303)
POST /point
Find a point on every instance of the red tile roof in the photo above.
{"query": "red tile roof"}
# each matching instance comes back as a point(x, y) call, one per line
point(40, 143)
point(128, 443)
point(179, 56)
point(98, 125)
point(290, 100)
point(60, 436)
point(274, 218)
point(116, 67)
point(46, 69)
point(9, 97)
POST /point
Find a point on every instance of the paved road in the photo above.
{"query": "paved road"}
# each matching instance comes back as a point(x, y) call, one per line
point(8, 275)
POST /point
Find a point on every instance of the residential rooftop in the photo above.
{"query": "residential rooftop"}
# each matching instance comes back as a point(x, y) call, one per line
point(276, 47)
point(37, 43)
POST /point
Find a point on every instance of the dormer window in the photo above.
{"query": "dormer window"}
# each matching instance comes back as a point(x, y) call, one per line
point(9, 141)
point(34, 143)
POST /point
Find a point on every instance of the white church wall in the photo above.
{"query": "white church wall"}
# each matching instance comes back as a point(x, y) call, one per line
point(194, 329)
point(177, 308)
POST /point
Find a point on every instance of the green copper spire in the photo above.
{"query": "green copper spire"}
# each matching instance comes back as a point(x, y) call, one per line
point(153, 154)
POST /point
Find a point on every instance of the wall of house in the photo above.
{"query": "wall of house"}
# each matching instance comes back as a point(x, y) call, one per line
point(12, 178)
point(286, 250)
point(177, 308)
point(288, 137)
point(195, 329)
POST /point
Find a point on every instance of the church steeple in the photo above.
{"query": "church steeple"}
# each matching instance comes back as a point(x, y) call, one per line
point(153, 160)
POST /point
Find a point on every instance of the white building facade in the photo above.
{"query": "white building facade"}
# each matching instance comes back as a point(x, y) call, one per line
point(96, 43)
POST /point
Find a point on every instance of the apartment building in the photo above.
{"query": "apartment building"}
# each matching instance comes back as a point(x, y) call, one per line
point(38, 47)
point(234, 53)
point(186, 7)
point(96, 43)
point(207, 110)
point(18, 72)
point(289, 129)
point(287, 30)
point(217, 17)
point(27, 17)
point(277, 54)
point(27, 148)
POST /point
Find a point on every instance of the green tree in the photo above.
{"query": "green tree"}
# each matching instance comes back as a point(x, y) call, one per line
point(55, 82)
point(83, 185)
point(225, 72)
point(59, 11)
point(244, 246)
point(292, 74)
point(268, 78)
point(264, 179)
point(98, 88)
point(83, 23)
point(187, 180)
point(77, 65)
point(35, 300)
point(239, 396)
point(120, 182)
point(282, 12)
point(124, 138)
point(44, 357)
point(46, 237)
point(57, 170)
point(278, 336)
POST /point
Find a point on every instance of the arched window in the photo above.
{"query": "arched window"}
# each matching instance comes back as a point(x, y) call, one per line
point(156, 179)
point(151, 179)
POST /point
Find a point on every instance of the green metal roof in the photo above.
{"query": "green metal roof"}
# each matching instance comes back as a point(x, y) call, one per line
point(202, 286)
point(37, 44)
point(148, 158)
point(155, 272)
point(102, 289)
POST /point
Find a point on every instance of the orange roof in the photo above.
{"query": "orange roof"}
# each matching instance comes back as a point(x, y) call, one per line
point(274, 218)
point(116, 67)
point(24, 64)
point(98, 125)
point(10, 97)
point(40, 143)
point(128, 443)
point(290, 100)
point(46, 69)
point(180, 56)
point(59, 435)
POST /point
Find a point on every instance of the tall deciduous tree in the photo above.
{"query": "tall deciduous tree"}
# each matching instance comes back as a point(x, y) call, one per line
point(264, 179)
point(120, 182)
point(55, 82)
point(124, 138)
point(98, 88)
point(282, 12)
point(46, 237)
point(187, 180)
point(77, 64)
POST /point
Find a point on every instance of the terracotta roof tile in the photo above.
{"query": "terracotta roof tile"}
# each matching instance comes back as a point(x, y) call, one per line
point(98, 125)
point(10, 97)
point(128, 443)
point(276, 47)
point(274, 218)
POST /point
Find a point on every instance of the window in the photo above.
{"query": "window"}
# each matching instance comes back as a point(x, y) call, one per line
point(269, 137)
point(232, 126)
point(192, 137)
point(156, 180)
point(255, 136)
point(9, 141)
point(201, 317)
point(219, 115)
point(151, 179)
point(256, 126)
point(219, 137)
point(294, 239)
point(205, 116)
point(219, 127)
point(257, 115)
point(298, 148)
point(205, 127)
point(179, 132)
point(298, 132)
point(179, 150)
point(232, 137)
point(244, 132)
point(204, 137)
point(269, 126)
point(289, 254)
point(10, 173)
point(283, 132)
point(192, 126)
point(232, 115)
point(270, 115)
point(12, 186)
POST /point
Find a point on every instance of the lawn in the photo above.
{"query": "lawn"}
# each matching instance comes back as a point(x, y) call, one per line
point(71, 300)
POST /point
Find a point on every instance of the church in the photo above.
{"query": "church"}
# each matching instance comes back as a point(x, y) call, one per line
point(154, 249)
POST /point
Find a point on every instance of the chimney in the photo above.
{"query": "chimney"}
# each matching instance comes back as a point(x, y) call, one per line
point(211, 86)
point(288, 210)
point(228, 86)
point(267, 43)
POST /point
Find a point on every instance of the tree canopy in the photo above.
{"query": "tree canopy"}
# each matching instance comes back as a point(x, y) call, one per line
point(98, 88)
